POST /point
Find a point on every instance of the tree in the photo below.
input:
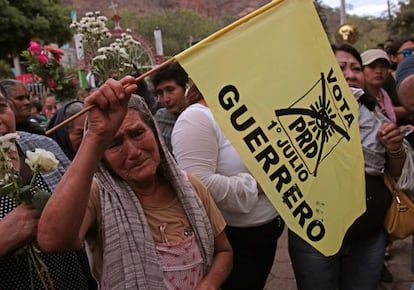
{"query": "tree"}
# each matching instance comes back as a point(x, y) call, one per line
point(371, 31)
point(322, 15)
point(5, 70)
point(402, 25)
point(179, 27)
point(21, 21)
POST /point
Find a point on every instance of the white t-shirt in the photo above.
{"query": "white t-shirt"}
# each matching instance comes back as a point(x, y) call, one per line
point(201, 148)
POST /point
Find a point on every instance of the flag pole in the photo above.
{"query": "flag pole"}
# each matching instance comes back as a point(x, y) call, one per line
point(88, 108)
point(193, 48)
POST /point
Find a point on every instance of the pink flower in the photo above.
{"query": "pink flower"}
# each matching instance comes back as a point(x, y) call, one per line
point(51, 84)
point(43, 58)
point(34, 48)
point(56, 52)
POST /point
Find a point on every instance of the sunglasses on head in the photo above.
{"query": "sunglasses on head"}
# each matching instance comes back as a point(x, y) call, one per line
point(406, 52)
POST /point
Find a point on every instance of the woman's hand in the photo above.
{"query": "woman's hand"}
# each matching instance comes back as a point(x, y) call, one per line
point(18, 228)
point(110, 101)
point(390, 136)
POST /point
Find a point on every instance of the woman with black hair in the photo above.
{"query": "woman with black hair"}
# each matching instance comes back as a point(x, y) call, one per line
point(70, 135)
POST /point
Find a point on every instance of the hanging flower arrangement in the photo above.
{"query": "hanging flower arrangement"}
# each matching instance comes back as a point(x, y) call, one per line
point(44, 62)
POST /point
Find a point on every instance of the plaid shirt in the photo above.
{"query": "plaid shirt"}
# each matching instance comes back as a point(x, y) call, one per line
point(165, 121)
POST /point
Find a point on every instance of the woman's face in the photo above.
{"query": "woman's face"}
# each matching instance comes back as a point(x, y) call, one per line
point(50, 107)
point(376, 73)
point(7, 120)
point(19, 101)
point(351, 69)
point(171, 96)
point(76, 132)
point(134, 153)
point(399, 56)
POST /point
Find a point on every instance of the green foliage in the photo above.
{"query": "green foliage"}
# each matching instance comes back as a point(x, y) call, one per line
point(21, 21)
point(402, 25)
point(371, 32)
point(322, 16)
point(5, 70)
point(178, 27)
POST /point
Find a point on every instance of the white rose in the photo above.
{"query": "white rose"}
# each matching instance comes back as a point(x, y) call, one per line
point(8, 141)
point(41, 159)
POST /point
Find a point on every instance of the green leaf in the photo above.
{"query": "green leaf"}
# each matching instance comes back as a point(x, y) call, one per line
point(40, 199)
point(8, 190)
point(24, 195)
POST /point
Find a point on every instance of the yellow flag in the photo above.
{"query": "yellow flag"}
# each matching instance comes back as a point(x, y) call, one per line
point(276, 90)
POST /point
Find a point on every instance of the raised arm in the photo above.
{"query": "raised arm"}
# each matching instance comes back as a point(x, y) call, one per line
point(65, 219)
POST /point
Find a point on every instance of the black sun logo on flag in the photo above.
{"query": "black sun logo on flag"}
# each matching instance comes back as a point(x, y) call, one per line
point(324, 127)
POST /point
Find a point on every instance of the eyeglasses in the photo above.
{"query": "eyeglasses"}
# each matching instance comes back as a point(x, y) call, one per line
point(406, 52)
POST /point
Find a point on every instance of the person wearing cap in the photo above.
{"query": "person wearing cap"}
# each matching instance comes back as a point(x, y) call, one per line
point(405, 83)
point(376, 65)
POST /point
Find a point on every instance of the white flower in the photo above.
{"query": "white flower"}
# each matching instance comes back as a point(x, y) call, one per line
point(41, 159)
point(103, 49)
point(9, 137)
point(8, 141)
point(99, 57)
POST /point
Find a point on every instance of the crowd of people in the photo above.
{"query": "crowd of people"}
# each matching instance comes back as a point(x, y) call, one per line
point(152, 195)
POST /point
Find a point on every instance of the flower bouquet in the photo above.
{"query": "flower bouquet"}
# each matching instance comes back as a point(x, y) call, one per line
point(107, 56)
point(116, 60)
point(11, 185)
point(44, 62)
